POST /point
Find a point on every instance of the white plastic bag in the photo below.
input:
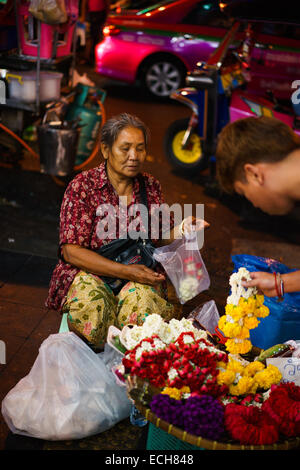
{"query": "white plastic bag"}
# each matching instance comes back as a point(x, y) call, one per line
point(69, 393)
point(184, 266)
point(207, 315)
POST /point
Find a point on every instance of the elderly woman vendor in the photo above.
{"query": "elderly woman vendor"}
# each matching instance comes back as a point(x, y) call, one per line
point(76, 286)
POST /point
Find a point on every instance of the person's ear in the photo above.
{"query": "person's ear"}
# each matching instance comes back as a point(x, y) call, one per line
point(254, 174)
point(104, 150)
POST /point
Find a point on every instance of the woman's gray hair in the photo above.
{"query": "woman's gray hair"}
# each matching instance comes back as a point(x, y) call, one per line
point(114, 125)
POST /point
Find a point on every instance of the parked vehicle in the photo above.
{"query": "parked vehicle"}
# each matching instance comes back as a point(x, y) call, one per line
point(216, 96)
point(158, 45)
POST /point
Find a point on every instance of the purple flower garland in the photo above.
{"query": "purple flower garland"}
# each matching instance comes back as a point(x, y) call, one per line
point(199, 415)
point(203, 416)
point(168, 409)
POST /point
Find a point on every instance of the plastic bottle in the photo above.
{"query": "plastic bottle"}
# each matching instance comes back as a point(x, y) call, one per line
point(136, 418)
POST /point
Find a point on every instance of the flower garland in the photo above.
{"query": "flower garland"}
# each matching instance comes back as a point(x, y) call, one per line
point(204, 416)
point(168, 409)
point(251, 420)
point(168, 332)
point(198, 415)
point(250, 425)
point(244, 307)
point(243, 380)
point(283, 405)
point(186, 362)
point(277, 414)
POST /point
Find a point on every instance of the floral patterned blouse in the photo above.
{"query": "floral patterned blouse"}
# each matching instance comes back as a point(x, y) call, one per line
point(84, 220)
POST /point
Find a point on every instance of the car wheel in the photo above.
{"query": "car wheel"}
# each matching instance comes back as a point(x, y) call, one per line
point(190, 159)
point(163, 76)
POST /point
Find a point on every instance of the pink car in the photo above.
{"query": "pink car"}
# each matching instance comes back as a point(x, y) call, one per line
point(158, 45)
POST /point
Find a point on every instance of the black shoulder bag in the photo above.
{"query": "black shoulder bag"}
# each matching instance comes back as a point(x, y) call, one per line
point(129, 251)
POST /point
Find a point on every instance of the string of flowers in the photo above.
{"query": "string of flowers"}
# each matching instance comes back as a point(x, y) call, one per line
point(250, 425)
point(283, 405)
point(244, 307)
point(278, 413)
point(154, 324)
point(186, 362)
point(198, 415)
point(242, 380)
point(257, 419)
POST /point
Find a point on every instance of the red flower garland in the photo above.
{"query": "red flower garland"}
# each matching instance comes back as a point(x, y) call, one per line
point(250, 425)
point(283, 405)
point(195, 364)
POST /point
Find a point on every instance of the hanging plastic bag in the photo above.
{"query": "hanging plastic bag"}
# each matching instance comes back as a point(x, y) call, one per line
point(207, 315)
point(69, 393)
point(184, 266)
point(49, 11)
point(283, 322)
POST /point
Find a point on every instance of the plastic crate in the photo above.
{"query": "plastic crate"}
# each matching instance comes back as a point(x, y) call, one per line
point(160, 440)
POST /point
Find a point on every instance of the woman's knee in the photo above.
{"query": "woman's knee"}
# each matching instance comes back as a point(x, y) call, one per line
point(91, 308)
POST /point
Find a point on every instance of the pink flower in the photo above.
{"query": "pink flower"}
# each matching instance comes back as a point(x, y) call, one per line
point(87, 328)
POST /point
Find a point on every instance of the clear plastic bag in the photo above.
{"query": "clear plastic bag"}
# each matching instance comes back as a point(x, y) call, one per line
point(69, 393)
point(49, 11)
point(184, 266)
point(207, 315)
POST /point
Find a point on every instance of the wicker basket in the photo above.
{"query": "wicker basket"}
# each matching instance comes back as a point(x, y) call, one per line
point(199, 443)
point(160, 440)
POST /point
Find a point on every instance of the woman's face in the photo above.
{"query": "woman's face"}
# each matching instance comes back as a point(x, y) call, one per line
point(128, 152)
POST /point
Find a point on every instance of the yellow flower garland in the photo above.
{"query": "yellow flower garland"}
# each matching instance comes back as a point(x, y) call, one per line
point(239, 319)
point(242, 380)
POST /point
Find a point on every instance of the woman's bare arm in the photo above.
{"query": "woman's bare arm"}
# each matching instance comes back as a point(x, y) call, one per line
point(265, 282)
point(88, 260)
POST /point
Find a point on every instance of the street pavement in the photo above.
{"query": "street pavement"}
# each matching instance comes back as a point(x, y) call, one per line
point(29, 214)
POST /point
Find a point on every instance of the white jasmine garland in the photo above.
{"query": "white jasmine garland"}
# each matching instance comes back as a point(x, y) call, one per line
point(154, 325)
point(237, 290)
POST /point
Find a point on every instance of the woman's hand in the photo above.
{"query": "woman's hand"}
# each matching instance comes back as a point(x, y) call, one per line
point(143, 275)
point(264, 282)
point(192, 223)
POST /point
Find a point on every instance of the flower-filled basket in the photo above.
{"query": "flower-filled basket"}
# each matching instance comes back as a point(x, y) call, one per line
point(211, 394)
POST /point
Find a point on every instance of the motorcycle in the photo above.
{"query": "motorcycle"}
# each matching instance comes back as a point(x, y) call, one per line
point(217, 94)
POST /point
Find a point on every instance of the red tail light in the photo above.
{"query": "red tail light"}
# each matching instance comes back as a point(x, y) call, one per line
point(110, 30)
